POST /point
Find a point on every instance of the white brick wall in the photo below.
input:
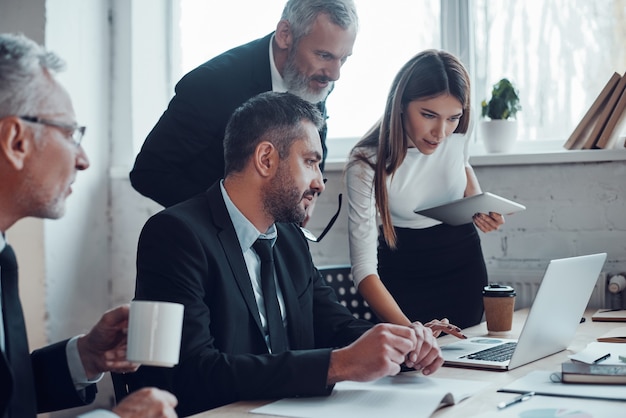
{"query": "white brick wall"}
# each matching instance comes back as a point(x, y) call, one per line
point(572, 209)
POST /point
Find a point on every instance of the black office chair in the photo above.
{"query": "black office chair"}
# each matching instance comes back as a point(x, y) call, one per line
point(339, 278)
point(126, 383)
point(120, 386)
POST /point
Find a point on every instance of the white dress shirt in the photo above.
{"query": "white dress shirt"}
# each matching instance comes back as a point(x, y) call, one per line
point(421, 181)
point(247, 235)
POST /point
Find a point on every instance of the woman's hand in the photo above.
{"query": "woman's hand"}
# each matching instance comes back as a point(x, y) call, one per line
point(488, 223)
point(443, 325)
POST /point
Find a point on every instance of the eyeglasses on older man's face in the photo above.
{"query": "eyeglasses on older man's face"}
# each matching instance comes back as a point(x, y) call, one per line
point(74, 132)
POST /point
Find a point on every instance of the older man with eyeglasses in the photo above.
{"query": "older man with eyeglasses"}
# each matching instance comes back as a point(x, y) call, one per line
point(40, 156)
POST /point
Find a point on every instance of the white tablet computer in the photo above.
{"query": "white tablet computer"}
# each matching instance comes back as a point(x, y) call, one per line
point(461, 211)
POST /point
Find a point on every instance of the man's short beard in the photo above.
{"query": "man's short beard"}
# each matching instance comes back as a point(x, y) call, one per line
point(298, 83)
point(282, 199)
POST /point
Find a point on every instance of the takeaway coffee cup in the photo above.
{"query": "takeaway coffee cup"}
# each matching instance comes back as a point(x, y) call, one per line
point(499, 302)
point(154, 332)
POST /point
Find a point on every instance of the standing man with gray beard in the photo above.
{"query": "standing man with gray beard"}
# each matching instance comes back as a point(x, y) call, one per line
point(184, 153)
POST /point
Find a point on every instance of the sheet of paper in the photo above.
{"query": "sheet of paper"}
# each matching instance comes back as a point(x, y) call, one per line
point(410, 396)
point(557, 407)
point(542, 383)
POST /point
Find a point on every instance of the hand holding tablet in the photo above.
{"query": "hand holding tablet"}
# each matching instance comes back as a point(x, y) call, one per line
point(461, 211)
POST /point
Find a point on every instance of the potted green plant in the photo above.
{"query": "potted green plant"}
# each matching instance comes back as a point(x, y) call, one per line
point(499, 131)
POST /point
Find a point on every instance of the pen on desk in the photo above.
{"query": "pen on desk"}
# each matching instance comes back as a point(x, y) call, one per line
point(604, 357)
point(521, 398)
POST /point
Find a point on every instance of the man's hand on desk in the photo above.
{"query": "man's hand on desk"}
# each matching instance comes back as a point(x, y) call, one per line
point(380, 352)
point(426, 356)
point(147, 403)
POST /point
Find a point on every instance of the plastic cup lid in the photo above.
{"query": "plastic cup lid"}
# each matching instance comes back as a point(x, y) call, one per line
point(495, 289)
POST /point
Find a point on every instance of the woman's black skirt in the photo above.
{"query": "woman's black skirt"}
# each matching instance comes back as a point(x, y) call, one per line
point(437, 272)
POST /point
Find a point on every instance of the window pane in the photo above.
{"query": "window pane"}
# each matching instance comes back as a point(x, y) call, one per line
point(390, 33)
point(559, 53)
point(209, 27)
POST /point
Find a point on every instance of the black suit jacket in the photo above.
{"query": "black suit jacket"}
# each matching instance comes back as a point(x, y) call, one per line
point(184, 153)
point(49, 378)
point(190, 254)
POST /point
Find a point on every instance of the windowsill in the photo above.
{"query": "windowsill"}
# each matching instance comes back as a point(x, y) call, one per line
point(546, 152)
point(524, 153)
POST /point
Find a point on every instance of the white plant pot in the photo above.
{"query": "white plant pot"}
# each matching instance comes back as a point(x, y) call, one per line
point(498, 135)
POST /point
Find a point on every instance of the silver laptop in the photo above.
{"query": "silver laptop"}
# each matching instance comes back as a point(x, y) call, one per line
point(551, 323)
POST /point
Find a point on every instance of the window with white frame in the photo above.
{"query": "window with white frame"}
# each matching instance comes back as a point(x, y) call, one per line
point(389, 35)
point(559, 53)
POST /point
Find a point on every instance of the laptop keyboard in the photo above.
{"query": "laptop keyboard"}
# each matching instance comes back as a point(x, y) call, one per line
point(499, 353)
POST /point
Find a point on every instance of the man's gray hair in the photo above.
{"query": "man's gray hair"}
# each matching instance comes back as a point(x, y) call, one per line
point(302, 13)
point(24, 68)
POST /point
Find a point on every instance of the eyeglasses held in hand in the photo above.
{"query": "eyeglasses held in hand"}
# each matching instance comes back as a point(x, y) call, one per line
point(311, 237)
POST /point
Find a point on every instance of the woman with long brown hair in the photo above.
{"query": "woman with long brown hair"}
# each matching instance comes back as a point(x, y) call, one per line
point(416, 156)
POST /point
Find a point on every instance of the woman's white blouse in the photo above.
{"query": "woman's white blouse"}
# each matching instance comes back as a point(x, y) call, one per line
point(421, 181)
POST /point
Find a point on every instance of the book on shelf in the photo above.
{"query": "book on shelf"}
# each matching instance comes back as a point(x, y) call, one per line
point(582, 131)
point(615, 125)
point(604, 115)
point(577, 372)
point(609, 315)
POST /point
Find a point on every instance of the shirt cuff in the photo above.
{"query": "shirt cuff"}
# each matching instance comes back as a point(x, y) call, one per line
point(98, 413)
point(77, 371)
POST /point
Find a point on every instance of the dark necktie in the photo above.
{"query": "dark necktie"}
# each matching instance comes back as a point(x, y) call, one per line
point(278, 339)
point(22, 402)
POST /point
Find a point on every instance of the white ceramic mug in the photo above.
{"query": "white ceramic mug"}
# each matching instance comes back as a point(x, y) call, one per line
point(154, 332)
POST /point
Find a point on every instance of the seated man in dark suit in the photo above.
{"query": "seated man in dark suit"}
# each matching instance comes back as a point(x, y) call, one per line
point(241, 339)
point(183, 154)
point(40, 155)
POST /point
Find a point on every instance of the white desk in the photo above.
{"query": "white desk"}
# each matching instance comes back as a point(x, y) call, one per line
point(487, 399)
